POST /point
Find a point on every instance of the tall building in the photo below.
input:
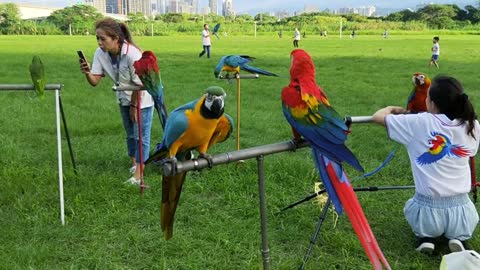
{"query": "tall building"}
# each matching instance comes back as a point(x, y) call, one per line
point(228, 8)
point(213, 4)
point(160, 7)
point(173, 6)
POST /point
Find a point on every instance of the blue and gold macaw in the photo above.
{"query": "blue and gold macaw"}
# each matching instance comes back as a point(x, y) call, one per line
point(311, 116)
point(235, 63)
point(194, 126)
point(216, 29)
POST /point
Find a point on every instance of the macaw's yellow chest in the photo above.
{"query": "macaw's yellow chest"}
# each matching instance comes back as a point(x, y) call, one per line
point(198, 133)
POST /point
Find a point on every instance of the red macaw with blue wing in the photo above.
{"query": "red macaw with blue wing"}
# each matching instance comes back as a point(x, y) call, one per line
point(311, 116)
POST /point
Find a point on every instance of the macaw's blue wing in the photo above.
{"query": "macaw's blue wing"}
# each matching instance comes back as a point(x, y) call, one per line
point(258, 71)
point(410, 97)
point(177, 123)
point(237, 60)
point(324, 129)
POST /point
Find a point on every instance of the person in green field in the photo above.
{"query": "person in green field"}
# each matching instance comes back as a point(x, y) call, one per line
point(114, 58)
point(435, 52)
point(439, 143)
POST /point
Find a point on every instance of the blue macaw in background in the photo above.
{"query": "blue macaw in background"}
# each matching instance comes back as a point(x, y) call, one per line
point(215, 30)
point(235, 63)
point(197, 125)
point(311, 116)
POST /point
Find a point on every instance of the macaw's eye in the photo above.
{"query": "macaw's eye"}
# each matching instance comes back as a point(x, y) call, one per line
point(210, 97)
point(422, 76)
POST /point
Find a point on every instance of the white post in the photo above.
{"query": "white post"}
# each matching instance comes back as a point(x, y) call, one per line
point(255, 29)
point(70, 28)
point(340, 28)
point(152, 29)
point(59, 150)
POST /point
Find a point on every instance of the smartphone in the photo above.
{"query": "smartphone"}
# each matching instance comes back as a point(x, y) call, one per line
point(82, 56)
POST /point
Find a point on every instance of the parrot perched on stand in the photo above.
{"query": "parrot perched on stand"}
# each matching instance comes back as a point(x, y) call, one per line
point(416, 100)
point(37, 73)
point(196, 125)
point(215, 30)
point(235, 63)
point(311, 116)
point(147, 70)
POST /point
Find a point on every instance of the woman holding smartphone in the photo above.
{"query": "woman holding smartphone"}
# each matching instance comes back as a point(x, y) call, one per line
point(114, 58)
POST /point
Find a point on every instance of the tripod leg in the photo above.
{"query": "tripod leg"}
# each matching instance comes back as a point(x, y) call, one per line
point(315, 234)
point(68, 136)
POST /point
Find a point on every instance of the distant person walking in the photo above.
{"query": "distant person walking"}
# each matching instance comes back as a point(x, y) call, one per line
point(435, 52)
point(205, 41)
point(353, 34)
point(296, 38)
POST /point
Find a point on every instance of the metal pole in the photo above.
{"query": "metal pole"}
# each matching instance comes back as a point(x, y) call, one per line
point(65, 128)
point(59, 152)
point(321, 219)
point(238, 110)
point(263, 214)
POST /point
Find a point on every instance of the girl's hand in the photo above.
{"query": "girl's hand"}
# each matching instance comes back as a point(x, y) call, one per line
point(133, 113)
point(84, 66)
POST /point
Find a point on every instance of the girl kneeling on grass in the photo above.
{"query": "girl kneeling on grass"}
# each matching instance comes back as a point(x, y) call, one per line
point(439, 144)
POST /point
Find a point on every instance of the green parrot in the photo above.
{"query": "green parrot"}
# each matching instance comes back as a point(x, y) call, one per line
point(37, 72)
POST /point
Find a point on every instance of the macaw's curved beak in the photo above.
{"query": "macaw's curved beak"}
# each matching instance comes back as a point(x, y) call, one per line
point(217, 105)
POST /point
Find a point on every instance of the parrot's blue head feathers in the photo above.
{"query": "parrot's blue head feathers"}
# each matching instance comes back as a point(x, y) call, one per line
point(219, 67)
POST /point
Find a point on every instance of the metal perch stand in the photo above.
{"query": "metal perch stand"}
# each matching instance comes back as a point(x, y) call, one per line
point(59, 113)
point(256, 152)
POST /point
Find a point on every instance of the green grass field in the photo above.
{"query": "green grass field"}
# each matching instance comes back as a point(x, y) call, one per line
point(110, 226)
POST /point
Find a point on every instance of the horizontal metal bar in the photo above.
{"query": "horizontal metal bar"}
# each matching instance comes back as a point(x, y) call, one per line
point(26, 87)
point(128, 88)
point(240, 76)
point(362, 119)
point(197, 164)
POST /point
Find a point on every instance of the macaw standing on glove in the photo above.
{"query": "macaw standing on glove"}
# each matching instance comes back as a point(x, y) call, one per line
point(147, 69)
point(235, 63)
point(416, 100)
point(37, 73)
point(308, 111)
point(196, 125)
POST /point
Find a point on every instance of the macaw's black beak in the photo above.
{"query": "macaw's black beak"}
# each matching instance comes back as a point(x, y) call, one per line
point(217, 105)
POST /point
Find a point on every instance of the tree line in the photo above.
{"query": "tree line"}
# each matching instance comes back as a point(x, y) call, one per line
point(80, 20)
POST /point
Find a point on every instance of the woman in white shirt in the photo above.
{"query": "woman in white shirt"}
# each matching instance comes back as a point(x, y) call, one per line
point(114, 57)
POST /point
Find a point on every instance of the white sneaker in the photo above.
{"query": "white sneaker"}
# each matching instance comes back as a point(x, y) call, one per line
point(426, 247)
point(455, 245)
point(132, 181)
point(133, 169)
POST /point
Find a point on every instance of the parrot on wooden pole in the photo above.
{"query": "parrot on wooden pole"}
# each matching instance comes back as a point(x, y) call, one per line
point(37, 73)
point(197, 125)
point(311, 116)
point(235, 63)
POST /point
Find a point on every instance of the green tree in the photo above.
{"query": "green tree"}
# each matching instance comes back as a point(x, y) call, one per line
point(74, 15)
point(473, 14)
point(265, 17)
point(137, 17)
point(9, 18)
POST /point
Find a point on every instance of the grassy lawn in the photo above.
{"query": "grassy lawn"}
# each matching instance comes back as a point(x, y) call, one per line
point(110, 226)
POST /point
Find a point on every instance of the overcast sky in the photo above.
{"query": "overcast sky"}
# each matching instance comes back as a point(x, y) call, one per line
point(245, 5)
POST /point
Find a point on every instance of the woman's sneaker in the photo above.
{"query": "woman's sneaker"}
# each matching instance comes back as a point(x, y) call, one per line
point(132, 181)
point(455, 245)
point(425, 245)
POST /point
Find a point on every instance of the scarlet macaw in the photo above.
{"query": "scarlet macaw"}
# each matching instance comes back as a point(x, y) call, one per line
point(235, 63)
point(147, 70)
point(196, 125)
point(416, 100)
point(37, 73)
point(310, 115)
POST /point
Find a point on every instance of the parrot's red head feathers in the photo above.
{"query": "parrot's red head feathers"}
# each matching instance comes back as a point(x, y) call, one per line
point(302, 73)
